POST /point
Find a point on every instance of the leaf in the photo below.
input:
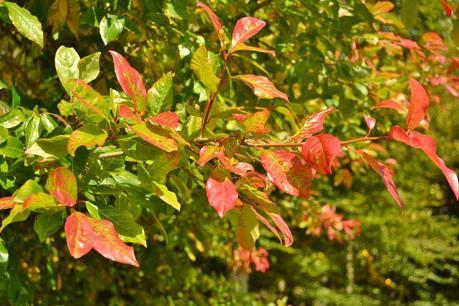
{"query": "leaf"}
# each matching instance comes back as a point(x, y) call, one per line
point(262, 87)
point(73, 17)
point(155, 135)
point(390, 104)
point(256, 122)
point(110, 28)
point(88, 101)
point(40, 201)
point(409, 13)
point(84, 233)
point(27, 189)
point(315, 123)
point(370, 122)
point(455, 32)
point(245, 28)
point(50, 148)
point(446, 8)
point(131, 82)
point(386, 173)
point(33, 130)
point(62, 184)
point(47, 224)
point(419, 103)
point(7, 203)
point(207, 153)
point(221, 192)
point(283, 227)
point(27, 24)
point(66, 63)
point(166, 195)
point(57, 14)
point(126, 226)
point(203, 66)
point(215, 22)
point(320, 152)
point(88, 67)
point(244, 47)
point(17, 214)
point(168, 119)
point(287, 172)
point(428, 145)
point(79, 234)
point(13, 148)
point(247, 229)
point(160, 95)
point(88, 136)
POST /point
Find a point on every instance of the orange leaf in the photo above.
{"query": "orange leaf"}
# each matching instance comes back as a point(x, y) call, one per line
point(320, 152)
point(169, 119)
point(62, 185)
point(221, 192)
point(7, 203)
point(419, 103)
point(262, 87)
point(245, 28)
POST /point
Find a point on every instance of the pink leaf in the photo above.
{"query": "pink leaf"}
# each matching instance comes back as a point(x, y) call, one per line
point(84, 233)
point(313, 125)
point(262, 87)
point(320, 152)
point(288, 172)
point(245, 28)
point(390, 104)
point(131, 82)
point(386, 173)
point(127, 113)
point(241, 168)
point(370, 122)
point(419, 103)
point(283, 227)
point(62, 185)
point(215, 21)
point(7, 203)
point(428, 145)
point(221, 192)
point(169, 119)
point(79, 234)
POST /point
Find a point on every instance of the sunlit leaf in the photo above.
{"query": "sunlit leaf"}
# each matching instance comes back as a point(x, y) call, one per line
point(27, 24)
point(247, 229)
point(221, 192)
point(320, 152)
point(166, 195)
point(160, 95)
point(110, 28)
point(261, 86)
point(203, 66)
point(155, 135)
point(245, 28)
point(62, 184)
point(419, 104)
point(88, 136)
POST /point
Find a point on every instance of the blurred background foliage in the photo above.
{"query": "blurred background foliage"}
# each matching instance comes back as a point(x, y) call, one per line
point(408, 256)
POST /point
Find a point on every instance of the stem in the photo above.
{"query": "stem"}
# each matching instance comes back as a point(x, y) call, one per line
point(298, 144)
point(111, 154)
point(213, 96)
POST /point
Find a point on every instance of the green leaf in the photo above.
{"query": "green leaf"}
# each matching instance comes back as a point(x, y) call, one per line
point(47, 224)
point(156, 136)
point(33, 130)
point(66, 63)
point(12, 118)
point(40, 202)
point(203, 66)
point(89, 67)
point(88, 102)
point(13, 148)
point(17, 214)
point(110, 28)
point(409, 13)
point(50, 148)
point(166, 195)
point(88, 136)
point(125, 225)
point(2, 85)
point(27, 189)
point(247, 230)
point(160, 95)
point(3, 255)
point(27, 24)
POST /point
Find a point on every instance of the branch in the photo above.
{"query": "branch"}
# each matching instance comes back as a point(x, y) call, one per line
point(298, 144)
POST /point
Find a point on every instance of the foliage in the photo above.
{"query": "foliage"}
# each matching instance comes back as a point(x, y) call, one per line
point(273, 133)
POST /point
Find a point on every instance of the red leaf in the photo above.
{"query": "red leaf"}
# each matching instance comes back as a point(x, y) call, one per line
point(131, 82)
point(262, 87)
point(241, 168)
point(62, 185)
point(320, 151)
point(127, 113)
point(221, 192)
point(313, 125)
point(390, 104)
point(386, 174)
point(283, 227)
point(108, 243)
point(428, 145)
point(419, 103)
point(216, 23)
point(245, 28)
point(447, 8)
point(169, 119)
point(79, 234)
point(288, 172)
point(84, 233)
point(7, 203)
